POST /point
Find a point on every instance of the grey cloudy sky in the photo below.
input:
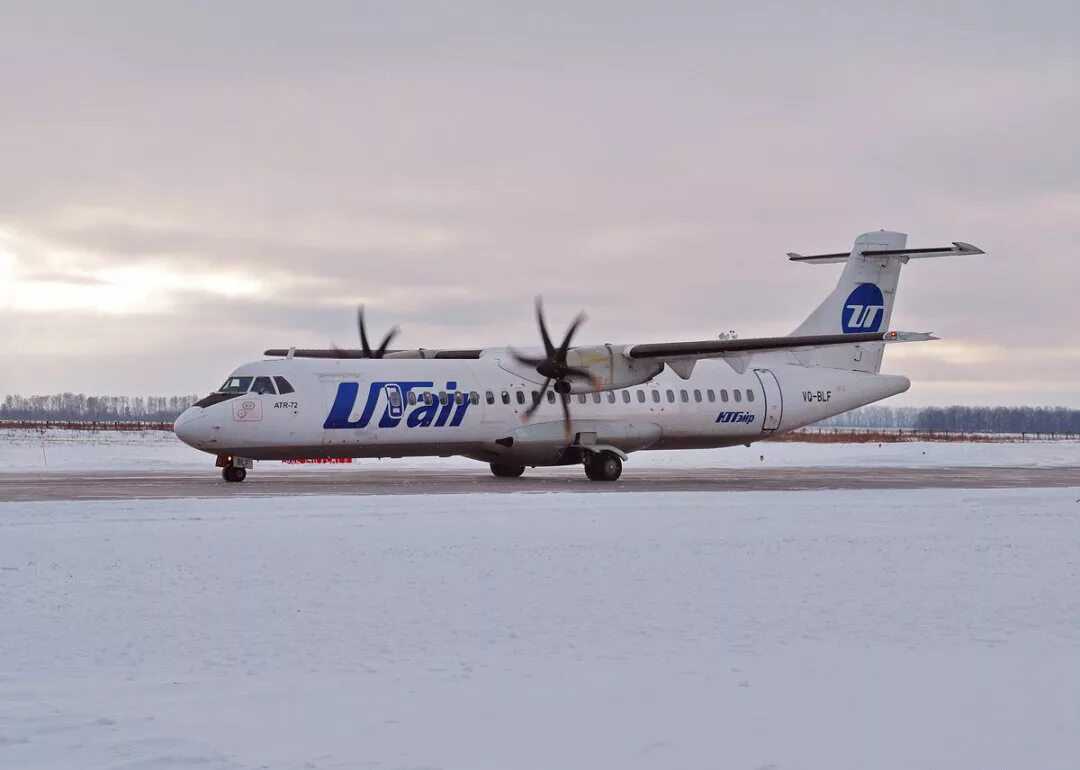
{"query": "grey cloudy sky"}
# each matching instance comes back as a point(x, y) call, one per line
point(185, 184)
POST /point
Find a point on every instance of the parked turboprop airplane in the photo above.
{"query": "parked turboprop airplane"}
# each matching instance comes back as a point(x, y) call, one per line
point(566, 404)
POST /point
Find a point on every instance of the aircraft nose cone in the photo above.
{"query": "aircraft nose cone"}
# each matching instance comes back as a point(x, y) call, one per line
point(192, 427)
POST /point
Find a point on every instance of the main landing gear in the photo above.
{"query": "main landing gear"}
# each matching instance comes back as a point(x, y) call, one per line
point(602, 466)
point(504, 471)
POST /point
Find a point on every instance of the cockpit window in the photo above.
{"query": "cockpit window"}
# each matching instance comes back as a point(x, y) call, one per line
point(263, 386)
point(283, 386)
point(236, 385)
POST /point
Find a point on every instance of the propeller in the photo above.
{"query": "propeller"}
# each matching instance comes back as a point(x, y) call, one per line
point(553, 366)
point(366, 347)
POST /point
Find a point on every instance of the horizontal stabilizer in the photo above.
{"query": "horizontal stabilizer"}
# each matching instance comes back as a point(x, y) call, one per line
point(957, 249)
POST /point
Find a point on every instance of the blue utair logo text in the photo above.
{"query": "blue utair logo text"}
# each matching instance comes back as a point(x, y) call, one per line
point(393, 397)
point(737, 417)
point(864, 310)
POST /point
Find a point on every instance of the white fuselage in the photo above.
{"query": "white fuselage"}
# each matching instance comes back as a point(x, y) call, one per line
point(474, 407)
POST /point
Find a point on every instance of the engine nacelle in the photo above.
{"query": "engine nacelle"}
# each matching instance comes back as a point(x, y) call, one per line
point(610, 369)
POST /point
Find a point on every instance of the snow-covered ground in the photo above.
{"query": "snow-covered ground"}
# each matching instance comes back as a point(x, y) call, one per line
point(915, 629)
point(157, 450)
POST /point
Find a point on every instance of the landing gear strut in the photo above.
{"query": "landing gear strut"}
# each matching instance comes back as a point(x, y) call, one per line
point(232, 473)
point(504, 471)
point(602, 466)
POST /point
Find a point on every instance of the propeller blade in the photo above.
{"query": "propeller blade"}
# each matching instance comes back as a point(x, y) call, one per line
point(536, 404)
point(573, 371)
point(566, 414)
point(363, 332)
point(565, 347)
point(526, 359)
point(386, 342)
point(548, 347)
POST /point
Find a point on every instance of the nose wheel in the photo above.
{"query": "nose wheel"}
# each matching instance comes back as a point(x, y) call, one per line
point(602, 466)
point(233, 474)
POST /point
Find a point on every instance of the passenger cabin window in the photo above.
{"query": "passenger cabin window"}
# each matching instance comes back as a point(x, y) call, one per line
point(428, 399)
point(443, 398)
point(656, 396)
point(596, 398)
point(611, 396)
point(489, 397)
point(395, 397)
point(283, 386)
point(711, 395)
point(723, 396)
point(506, 397)
point(626, 396)
point(459, 398)
point(738, 395)
point(641, 396)
point(750, 396)
point(411, 398)
point(683, 396)
point(697, 396)
point(551, 396)
point(521, 396)
point(671, 396)
point(536, 397)
point(581, 398)
point(264, 386)
point(236, 385)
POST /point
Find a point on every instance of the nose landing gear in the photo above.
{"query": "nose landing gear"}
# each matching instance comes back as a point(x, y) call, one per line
point(234, 469)
point(232, 473)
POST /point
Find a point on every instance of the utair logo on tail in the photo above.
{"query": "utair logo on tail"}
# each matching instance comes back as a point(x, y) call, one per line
point(447, 409)
point(864, 310)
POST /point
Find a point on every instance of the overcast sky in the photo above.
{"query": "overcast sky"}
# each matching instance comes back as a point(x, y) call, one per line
point(185, 185)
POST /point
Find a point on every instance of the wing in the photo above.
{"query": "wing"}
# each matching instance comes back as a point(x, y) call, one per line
point(682, 355)
point(352, 353)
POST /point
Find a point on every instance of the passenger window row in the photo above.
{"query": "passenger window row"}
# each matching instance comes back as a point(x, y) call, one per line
point(458, 397)
point(608, 396)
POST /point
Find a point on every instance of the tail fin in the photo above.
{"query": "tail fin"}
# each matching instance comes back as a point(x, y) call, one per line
point(863, 299)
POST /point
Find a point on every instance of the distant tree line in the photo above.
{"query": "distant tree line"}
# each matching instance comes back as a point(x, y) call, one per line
point(966, 419)
point(80, 407)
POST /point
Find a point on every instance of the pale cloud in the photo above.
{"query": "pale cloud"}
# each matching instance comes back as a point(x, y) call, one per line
point(189, 187)
point(80, 282)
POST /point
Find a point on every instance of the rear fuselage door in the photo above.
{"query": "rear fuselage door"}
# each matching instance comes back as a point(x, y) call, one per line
point(774, 401)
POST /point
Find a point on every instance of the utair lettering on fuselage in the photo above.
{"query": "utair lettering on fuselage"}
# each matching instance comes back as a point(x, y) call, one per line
point(738, 417)
point(429, 412)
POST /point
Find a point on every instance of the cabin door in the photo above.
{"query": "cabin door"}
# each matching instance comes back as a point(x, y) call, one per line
point(774, 401)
